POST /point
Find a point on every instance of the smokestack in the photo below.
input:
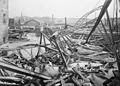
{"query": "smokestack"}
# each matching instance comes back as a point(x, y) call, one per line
point(52, 19)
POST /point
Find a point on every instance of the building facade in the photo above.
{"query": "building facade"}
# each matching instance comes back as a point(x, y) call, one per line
point(3, 21)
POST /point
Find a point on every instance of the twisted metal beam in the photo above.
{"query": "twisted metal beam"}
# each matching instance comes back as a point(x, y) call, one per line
point(103, 10)
point(84, 17)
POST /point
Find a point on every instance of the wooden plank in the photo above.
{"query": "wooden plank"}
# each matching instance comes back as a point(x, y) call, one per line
point(22, 71)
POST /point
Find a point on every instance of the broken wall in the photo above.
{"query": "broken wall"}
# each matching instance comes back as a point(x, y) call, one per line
point(3, 21)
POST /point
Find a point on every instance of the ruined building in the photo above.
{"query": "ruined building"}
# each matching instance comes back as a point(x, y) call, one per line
point(3, 21)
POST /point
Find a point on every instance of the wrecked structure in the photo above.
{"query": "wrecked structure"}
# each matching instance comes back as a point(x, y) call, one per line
point(3, 21)
point(54, 59)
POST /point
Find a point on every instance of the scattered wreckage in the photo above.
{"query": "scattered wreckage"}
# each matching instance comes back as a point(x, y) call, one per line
point(57, 61)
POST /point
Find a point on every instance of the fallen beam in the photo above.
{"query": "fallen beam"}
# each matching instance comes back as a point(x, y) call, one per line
point(22, 71)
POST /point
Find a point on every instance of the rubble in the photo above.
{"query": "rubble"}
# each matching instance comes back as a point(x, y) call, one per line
point(57, 60)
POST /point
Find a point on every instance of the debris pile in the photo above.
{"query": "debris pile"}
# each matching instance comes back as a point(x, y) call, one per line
point(57, 60)
point(60, 63)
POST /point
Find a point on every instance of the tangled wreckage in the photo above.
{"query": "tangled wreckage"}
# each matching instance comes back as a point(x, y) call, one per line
point(59, 60)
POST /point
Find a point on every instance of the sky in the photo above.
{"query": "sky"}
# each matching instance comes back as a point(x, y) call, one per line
point(59, 8)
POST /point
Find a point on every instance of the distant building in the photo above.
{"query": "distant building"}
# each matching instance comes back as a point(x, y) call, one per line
point(3, 21)
point(31, 24)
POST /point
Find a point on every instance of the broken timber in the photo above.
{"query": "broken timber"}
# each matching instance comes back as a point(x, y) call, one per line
point(22, 71)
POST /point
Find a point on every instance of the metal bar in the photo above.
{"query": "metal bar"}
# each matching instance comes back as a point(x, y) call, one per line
point(101, 33)
point(115, 50)
point(103, 10)
point(40, 44)
point(66, 42)
point(44, 42)
point(64, 60)
point(69, 40)
point(106, 31)
point(110, 27)
point(10, 79)
point(8, 84)
point(48, 39)
point(20, 54)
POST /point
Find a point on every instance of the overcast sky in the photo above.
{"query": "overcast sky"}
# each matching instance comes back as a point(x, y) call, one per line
point(60, 8)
